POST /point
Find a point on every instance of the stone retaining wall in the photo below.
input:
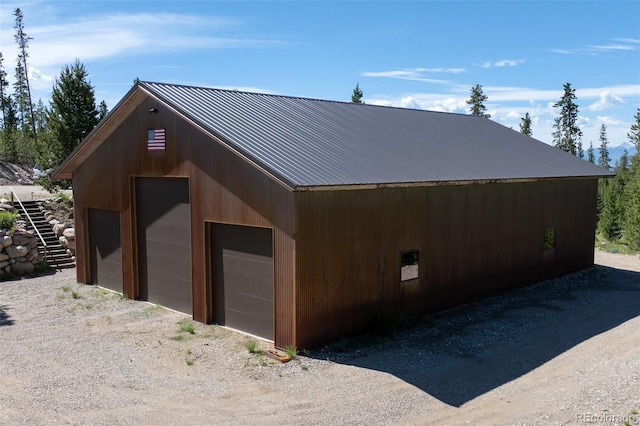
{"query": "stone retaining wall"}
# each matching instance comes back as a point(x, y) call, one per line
point(19, 252)
point(65, 231)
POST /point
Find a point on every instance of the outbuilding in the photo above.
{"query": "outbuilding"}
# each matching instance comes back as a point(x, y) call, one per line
point(297, 220)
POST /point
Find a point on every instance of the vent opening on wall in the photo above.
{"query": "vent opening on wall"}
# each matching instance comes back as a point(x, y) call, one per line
point(409, 261)
point(549, 238)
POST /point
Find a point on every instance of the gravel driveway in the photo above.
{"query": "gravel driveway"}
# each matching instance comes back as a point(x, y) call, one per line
point(566, 351)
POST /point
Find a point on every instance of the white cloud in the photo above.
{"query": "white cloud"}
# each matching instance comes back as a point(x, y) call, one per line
point(610, 47)
point(503, 63)
point(610, 121)
point(422, 101)
point(35, 74)
point(560, 51)
point(380, 102)
point(410, 102)
point(514, 115)
point(97, 37)
point(607, 100)
point(415, 74)
point(628, 40)
point(507, 105)
point(621, 44)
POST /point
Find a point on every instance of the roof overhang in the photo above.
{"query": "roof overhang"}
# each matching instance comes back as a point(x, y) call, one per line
point(353, 187)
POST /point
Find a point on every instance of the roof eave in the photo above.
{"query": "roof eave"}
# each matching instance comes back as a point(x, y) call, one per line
point(364, 186)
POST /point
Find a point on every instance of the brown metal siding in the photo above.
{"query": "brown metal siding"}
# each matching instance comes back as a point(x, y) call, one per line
point(474, 240)
point(223, 188)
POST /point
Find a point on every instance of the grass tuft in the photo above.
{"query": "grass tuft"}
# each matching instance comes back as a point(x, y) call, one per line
point(186, 326)
point(253, 347)
point(291, 351)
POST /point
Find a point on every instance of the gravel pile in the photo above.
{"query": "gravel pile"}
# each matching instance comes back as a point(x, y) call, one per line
point(566, 351)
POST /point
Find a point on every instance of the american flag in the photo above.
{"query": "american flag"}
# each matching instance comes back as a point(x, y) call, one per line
point(156, 140)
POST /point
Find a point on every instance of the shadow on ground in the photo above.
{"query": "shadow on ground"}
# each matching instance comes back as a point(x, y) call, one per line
point(5, 319)
point(45, 272)
point(460, 354)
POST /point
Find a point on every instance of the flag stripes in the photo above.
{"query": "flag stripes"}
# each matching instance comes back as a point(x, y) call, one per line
point(156, 140)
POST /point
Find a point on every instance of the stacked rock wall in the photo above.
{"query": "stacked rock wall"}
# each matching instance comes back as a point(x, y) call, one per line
point(65, 231)
point(19, 252)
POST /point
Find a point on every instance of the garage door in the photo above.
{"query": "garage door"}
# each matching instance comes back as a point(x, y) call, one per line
point(164, 242)
point(105, 250)
point(242, 272)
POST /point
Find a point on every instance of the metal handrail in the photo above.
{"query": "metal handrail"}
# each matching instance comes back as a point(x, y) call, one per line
point(44, 244)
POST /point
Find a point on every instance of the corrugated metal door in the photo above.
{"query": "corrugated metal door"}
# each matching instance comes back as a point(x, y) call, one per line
point(242, 271)
point(105, 249)
point(164, 242)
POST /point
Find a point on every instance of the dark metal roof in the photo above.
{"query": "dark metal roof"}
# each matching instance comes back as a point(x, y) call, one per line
point(309, 142)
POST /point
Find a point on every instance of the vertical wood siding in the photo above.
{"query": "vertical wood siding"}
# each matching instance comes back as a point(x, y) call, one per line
point(474, 240)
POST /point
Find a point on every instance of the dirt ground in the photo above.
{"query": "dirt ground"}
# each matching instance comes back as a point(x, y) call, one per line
point(566, 351)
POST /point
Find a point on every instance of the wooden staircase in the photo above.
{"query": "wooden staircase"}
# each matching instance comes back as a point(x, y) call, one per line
point(56, 256)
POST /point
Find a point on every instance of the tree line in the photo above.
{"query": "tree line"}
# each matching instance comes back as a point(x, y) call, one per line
point(35, 133)
point(618, 203)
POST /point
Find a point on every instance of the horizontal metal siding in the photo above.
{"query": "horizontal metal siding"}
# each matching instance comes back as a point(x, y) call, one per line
point(474, 240)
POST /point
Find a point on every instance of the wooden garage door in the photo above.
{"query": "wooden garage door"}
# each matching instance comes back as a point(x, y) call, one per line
point(242, 272)
point(164, 242)
point(105, 250)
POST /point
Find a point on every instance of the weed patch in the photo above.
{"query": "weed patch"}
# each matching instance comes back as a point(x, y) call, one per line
point(186, 326)
point(253, 347)
point(291, 351)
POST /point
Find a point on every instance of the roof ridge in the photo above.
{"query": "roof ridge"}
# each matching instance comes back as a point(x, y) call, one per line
point(302, 98)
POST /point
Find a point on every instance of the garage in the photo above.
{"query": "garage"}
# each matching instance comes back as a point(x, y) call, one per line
point(242, 274)
point(296, 219)
point(164, 242)
point(105, 249)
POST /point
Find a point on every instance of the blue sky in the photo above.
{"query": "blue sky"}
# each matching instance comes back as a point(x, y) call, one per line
point(417, 54)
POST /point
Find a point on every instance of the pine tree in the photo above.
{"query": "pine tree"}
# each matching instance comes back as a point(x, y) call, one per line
point(23, 43)
point(566, 131)
point(525, 125)
point(631, 225)
point(580, 151)
point(9, 135)
point(4, 84)
point(634, 134)
point(604, 160)
point(613, 203)
point(590, 154)
point(356, 96)
point(610, 223)
point(102, 110)
point(73, 112)
point(477, 102)
point(20, 95)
